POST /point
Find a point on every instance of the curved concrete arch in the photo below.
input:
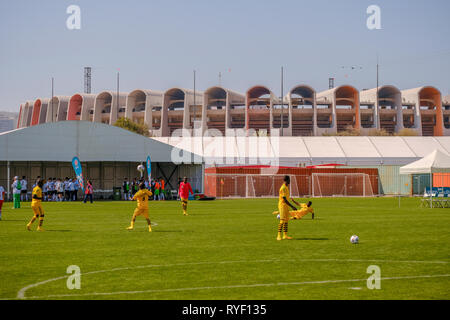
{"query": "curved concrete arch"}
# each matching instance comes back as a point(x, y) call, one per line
point(52, 110)
point(344, 95)
point(36, 112)
point(259, 109)
point(146, 106)
point(446, 114)
point(28, 113)
point(180, 107)
point(302, 121)
point(386, 109)
point(23, 119)
point(428, 113)
point(106, 107)
point(44, 110)
point(217, 109)
point(57, 109)
point(81, 107)
point(19, 118)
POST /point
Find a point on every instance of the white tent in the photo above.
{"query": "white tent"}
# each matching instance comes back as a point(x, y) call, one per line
point(435, 162)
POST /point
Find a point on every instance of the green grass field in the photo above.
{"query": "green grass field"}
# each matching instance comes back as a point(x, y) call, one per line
point(227, 250)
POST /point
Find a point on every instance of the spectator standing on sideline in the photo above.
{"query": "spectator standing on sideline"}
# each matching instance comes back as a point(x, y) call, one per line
point(16, 186)
point(71, 189)
point(76, 187)
point(45, 192)
point(24, 191)
point(162, 196)
point(125, 189)
point(88, 193)
point(66, 189)
point(157, 190)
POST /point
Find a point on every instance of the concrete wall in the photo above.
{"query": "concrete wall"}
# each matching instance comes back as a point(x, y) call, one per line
point(65, 108)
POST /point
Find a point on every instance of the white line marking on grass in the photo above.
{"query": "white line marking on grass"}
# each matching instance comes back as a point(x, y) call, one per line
point(230, 287)
point(21, 293)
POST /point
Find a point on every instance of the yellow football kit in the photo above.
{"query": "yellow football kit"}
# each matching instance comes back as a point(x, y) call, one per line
point(283, 208)
point(36, 206)
point(142, 202)
point(142, 197)
point(298, 214)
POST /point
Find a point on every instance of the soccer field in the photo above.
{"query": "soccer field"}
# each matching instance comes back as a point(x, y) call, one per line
point(227, 250)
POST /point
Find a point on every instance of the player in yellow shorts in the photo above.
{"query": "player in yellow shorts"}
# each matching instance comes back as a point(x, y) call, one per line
point(142, 206)
point(297, 215)
point(36, 206)
point(283, 208)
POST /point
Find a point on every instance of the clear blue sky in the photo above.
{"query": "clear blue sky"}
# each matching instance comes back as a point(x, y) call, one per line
point(157, 44)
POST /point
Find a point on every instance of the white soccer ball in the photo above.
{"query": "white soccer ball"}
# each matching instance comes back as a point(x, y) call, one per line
point(278, 217)
point(354, 239)
point(141, 168)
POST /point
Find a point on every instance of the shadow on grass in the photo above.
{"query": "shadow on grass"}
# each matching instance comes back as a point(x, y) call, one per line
point(159, 231)
point(313, 239)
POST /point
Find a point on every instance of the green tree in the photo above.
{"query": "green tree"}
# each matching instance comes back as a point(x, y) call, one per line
point(379, 132)
point(406, 132)
point(130, 125)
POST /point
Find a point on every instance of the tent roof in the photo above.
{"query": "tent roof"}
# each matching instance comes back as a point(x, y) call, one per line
point(436, 161)
point(90, 141)
point(292, 151)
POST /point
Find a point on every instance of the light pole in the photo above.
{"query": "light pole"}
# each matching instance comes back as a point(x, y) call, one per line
point(282, 101)
point(195, 108)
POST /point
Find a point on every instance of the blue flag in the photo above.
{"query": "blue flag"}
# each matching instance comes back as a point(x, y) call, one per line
point(76, 164)
point(149, 168)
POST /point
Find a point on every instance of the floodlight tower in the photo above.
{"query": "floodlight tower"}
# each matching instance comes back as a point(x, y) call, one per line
point(87, 79)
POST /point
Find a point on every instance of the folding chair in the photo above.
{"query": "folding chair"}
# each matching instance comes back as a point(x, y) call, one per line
point(425, 201)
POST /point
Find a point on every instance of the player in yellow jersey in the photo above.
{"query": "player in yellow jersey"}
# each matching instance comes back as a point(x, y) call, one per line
point(283, 208)
point(297, 215)
point(142, 206)
point(36, 206)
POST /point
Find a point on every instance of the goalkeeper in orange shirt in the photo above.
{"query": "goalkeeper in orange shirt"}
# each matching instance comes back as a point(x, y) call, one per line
point(298, 214)
point(142, 206)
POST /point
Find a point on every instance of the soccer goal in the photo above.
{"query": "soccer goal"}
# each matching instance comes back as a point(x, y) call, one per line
point(268, 186)
point(341, 185)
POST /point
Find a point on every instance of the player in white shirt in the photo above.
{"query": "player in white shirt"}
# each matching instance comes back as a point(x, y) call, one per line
point(59, 187)
point(66, 189)
point(24, 191)
point(45, 191)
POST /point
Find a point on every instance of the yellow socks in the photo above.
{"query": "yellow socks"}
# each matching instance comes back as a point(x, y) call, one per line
point(285, 231)
point(280, 228)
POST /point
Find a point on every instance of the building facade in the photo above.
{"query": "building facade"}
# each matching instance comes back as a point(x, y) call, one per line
point(218, 110)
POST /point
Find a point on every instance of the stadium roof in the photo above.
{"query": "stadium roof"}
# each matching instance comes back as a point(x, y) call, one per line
point(90, 141)
point(293, 151)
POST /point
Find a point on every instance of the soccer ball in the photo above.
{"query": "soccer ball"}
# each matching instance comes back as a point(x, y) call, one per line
point(354, 239)
point(141, 168)
point(278, 217)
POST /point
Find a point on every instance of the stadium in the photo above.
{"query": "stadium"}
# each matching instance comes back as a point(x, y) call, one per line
point(302, 112)
point(231, 188)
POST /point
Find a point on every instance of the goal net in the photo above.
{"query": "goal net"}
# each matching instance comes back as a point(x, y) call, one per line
point(341, 185)
point(261, 186)
point(252, 185)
